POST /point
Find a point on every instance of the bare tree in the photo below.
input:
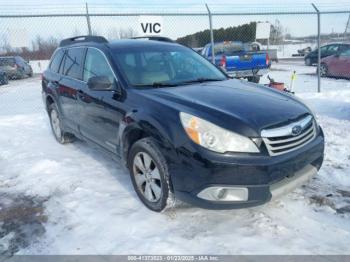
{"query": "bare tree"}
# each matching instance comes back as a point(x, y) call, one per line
point(276, 35)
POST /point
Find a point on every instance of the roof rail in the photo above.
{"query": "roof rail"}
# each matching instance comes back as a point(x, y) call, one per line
point(82, 39)
point(155, 38)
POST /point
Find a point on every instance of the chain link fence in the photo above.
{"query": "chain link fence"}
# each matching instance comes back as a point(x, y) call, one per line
point(294, 30)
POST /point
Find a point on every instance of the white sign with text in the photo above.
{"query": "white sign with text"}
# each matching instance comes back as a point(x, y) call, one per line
point(150, 25)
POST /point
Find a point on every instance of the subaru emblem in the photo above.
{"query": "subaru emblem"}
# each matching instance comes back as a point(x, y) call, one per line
point(296, 130)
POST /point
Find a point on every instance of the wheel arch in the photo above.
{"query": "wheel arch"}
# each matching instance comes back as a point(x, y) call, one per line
point(50, 99)
point(134, 133)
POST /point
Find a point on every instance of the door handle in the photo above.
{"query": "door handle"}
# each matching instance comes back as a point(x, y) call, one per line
point(82, 96)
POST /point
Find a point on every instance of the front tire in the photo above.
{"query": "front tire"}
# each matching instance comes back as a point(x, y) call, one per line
point(150, 176)
point(60, 135)
point(5, 80)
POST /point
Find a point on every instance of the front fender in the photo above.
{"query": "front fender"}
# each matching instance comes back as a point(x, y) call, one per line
point(140, 125)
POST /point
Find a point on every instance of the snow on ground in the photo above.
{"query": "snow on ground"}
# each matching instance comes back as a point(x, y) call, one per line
point(39, 66)
point(73, 199)
point(290, 49)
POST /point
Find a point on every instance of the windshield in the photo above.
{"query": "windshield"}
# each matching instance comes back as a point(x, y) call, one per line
point(165, 66)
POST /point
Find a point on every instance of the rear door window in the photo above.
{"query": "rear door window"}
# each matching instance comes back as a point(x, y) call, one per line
point(345, 53)
point(344, 48)
point(56, 61)
point(73, 60)
point(333, 49)
point(324, 49)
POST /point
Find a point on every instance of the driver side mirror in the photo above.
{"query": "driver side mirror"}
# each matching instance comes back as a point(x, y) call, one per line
point(103, 83)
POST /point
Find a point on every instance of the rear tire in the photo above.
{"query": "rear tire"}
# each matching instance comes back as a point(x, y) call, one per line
point(150, 176)
point(254, 79)
point(324, 70)
point(56, 123)
point(6, 80)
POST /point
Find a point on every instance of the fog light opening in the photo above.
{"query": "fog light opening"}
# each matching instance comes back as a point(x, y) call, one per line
point(224, 194)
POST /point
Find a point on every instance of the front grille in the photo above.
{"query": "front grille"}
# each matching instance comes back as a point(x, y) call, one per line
point(281, 140)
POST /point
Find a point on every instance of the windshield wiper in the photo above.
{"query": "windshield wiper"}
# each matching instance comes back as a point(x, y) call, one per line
point(202, 80)
point(157, 84)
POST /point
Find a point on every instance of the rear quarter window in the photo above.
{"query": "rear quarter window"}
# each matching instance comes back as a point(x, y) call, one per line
point(73, 60)
point(56, 61)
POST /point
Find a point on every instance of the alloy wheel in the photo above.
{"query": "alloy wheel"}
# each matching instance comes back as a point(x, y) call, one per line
point(147, 177)
point(323, 70)
point(55, 123)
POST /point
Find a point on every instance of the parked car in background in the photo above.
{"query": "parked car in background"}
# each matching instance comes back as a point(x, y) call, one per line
point(3, 78)
point(272, 52)
point(327, 50)
point(337, 65)
point(15, 67)
point(181, 126)
point(238, 60)
point(304, 51)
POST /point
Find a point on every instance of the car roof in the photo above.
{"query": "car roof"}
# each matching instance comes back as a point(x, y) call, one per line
point(337, 43)
point(123, 43)
point(138, 43)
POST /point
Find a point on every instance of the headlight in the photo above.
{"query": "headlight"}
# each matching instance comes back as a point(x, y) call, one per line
point(214, 137)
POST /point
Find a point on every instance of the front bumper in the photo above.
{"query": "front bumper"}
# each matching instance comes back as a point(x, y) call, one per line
point(264, 177)
point(258, 195)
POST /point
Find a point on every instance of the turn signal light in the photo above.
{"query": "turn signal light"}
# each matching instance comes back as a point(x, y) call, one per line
point(192, 131)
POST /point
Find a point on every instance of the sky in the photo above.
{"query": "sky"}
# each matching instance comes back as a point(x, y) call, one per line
point(297, 25)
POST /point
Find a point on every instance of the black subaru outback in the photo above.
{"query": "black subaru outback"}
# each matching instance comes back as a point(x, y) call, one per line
point(181, 126)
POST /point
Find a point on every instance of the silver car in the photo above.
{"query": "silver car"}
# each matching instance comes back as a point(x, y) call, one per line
point(15, 67)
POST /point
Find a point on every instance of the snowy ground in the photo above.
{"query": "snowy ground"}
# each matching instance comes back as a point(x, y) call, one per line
point(288, 50)
point(39, 66)
point(72, 199)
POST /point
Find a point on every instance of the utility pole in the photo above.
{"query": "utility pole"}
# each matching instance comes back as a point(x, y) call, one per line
point(318, 48)
point(347, 28)
point(88, 19)
point(211, 35)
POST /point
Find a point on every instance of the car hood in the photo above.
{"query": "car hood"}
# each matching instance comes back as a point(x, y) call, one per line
point(237, 105)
